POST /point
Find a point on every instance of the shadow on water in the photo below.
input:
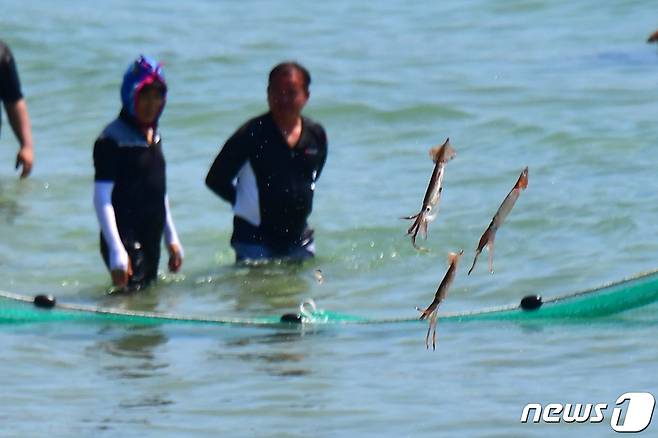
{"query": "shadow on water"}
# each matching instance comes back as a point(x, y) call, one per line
point(10, 208)
point(129, 357)
point(278, 354)
point(126, 359)
point(627, 58)
point(130, 352)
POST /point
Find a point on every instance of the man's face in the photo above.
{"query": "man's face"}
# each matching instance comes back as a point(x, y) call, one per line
point(286, 94)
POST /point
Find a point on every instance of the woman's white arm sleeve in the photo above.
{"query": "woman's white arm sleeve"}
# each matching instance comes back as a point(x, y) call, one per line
point(108, 223)
point(171, 236)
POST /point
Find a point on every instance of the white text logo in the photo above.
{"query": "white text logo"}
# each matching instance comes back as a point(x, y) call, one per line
point(633, 412)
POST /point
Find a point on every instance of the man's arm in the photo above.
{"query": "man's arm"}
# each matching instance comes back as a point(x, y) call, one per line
point(322, 159)
point(11, 95)
point(226, 166)
point(19, 120)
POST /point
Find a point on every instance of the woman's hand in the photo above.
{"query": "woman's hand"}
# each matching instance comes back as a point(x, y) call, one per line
point(120, 277)
point(175, 257)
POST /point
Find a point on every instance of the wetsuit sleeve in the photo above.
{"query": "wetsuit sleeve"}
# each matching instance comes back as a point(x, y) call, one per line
point(108, 224)
point(10, 86)
point(171, 236)
point(323, 151)
point(105, 160)
point(224, 169)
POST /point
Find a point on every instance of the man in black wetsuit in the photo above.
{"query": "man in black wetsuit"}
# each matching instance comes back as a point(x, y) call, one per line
point(267, 170)
point(14, 103)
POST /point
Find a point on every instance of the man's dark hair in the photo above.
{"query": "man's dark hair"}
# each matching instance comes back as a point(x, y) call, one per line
point(287, 68)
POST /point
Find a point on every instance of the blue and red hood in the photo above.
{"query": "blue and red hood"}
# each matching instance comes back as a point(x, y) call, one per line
point(144, 71)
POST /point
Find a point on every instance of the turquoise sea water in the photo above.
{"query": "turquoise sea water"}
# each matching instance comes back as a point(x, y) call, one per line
point(569, 89)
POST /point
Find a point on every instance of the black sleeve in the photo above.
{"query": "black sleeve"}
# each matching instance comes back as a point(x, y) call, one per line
point(105, 160)
point(227, 165)
point(10, 86)
point(323, 151)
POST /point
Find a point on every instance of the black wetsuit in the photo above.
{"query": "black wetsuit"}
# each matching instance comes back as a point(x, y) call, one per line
point(123, 156)
point(274, 193)
point(10, 85)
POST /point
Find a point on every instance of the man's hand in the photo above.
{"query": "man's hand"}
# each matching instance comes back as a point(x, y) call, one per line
point(19, 120)
point(24, 158)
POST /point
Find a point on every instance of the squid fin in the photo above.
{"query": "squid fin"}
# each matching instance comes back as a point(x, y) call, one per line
point(443, 153)
point(522, 182)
